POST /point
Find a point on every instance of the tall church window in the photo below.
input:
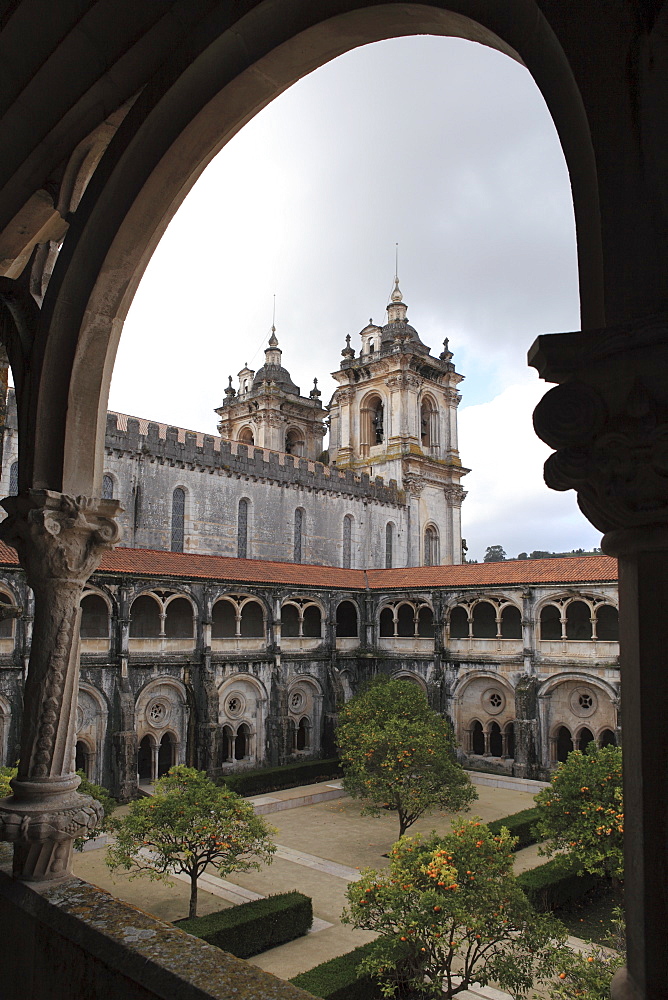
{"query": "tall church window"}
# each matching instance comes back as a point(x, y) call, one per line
point(299, 533)
point(378, 428)
point(138, 505)
point(431, 548)
point(107, 488)
point(178, 518)
point(14, 479)
point(347, 541)
point(428, 424)
point(389, 544)
point(242, 529)
point(372, 421)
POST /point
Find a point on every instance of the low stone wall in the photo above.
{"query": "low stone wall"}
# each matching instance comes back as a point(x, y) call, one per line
point(70, 941)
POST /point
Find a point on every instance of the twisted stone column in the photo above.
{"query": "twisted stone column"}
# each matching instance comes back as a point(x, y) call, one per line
point(60, 542)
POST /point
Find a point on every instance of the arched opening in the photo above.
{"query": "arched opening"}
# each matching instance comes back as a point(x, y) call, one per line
point(289, 621)
point(242, 742)
point(347, 541)
point(511, 623)
point(145, 759)
point(406, 621)
point(550, 623)
point(564, 744)
point(94, 617)
point(107, 488)
point(252, 620)
point(145, 618)
point(303, 740)
point(179, 620)
point(242, 529)
point(246, 437)
point(432, 556)
point(298, 535)
point(312, 622)
point(166, 754)
point(386, 623)
point(346, 620)
point(81, 757)
point(223, 620)
point(459, 623)
point(372, 422)
point(428, 424)
point(178, 519)
point(607, 623)
point(495, 740)
point(477, 738)
point(484, 620)
point(13, 479)
point(294, 442)
point(226, 745)
point(425, 623)
point(578, 621)
point(585, 737)
point(6, 624)
point(607, 738)
point(389, 544)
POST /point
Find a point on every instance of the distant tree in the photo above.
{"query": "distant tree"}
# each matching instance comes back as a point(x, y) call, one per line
point(188, 824)
point(494, 553)
point(449, 912)
point(523, 555)
point(581, 813)
point(540, 554)
point(398, 754)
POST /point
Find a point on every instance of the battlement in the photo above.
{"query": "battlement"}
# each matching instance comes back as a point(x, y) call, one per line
point(175, 445)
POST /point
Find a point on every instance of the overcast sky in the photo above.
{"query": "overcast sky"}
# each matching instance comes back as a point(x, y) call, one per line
point(440, 145)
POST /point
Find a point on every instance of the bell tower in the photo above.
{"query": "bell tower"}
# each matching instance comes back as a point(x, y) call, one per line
point(394, 414)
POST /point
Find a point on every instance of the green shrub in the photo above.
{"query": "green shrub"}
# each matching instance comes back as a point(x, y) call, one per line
point(271, 779)
point(520, 825)
point(338, 980)
point(555, 884)
point(253, 927)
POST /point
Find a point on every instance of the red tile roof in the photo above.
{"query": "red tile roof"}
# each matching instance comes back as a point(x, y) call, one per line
point(510, 572)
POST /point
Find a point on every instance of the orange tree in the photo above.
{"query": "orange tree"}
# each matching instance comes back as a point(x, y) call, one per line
point(581, 814)
point(187, 824)
point(449, 912)
point(398, 754)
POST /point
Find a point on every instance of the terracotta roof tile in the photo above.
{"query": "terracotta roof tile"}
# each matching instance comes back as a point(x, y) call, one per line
point(510, 572)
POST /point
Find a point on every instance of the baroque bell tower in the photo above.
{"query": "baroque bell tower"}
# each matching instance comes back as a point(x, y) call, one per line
point(394, 414)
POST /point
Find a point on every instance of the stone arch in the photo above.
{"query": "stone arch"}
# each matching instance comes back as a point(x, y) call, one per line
point(146, 612)
point(476, 742)
point(162, 706)
point(511, 622)
point(108, 486)
point(252, 618)
point(413, 678)
point(96, 612)
point(305, 712)
point(8, 625)
point(579, 614)
point(242, 701)
point(373, 420)
point(459, 622)
point(561, 744)
point(295, 441)
point(429, 421)
point(92, 719)
point(575, 699)
point(180, 616)
point(301, 618)
point(178, 516)
point(432, 546)
point(347, 620)
point(484, 620)
point(486, 696)
point(583, 737)
point(550, 622)
point(246, 436)
point(405, 619)
point(607, 623)
point(224, 618)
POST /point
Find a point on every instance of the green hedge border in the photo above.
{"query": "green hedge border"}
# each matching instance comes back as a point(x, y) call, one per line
point(555, 884)
point(337, 979)
point(272, 779)
point(251, 928)
point(520, 825)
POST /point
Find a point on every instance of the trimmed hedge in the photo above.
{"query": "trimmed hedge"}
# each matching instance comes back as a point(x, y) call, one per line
point(253, 927)
point(271, 779)
point(338, 980)
point(519, 824)
point(555, 884)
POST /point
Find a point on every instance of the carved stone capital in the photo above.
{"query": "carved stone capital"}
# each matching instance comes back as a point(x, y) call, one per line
point(608, 421)
point(414, 485)
point(454, 495)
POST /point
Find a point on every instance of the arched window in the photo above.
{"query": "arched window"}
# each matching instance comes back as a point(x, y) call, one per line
point(607, 738)
point(14, 479)
point(312, 624)
point(431, 547)
point(428, 424)
point(246, 437)
point(386, 623)
point(564, 744)
point(372, 422)
point(550, 622)
point(477, 738)
point(299, 531)
point(377, 423)
point(242, 529)
point(223, 620)
point(242, 742)
point(294, 442)
point(82, 758)
point(426, 623)
point(484, 621)
point(144, 618)
point(585, 737)
point(607, 623)
point(347, 541)
point(289, 621)
point(406, 621)
point(252, 620)
point(511, 623)
point(389, 544)
point(346, 620)
point(178, 518)
point(6, 624)
point(94, 617)
point(166, 754)
point(107, 488)
point(495, 740)
point(459, 623)
point(303, 740)
point(145, 760)
point(138, 507)
point(578, 621)
point(226, 745)
point(179, 619)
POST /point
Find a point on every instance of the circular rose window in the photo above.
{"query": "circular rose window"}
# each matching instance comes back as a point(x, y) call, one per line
point(158, 712)
point(296, 701)
point(494, 701)
point(235, 705)
point(583, 702)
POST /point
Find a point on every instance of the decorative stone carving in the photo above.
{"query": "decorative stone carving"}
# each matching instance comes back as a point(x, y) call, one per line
point(454, 495)
point(414, 484)
point(404, 380)
point(60, 541)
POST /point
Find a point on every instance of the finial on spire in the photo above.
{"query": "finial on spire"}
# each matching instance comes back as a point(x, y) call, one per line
point(230, 390)
point(446, 353)
point(315, 392)
point(273, 340)
point(348, 351)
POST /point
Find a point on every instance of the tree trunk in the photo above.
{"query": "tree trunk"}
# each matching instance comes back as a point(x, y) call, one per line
point(192, 913)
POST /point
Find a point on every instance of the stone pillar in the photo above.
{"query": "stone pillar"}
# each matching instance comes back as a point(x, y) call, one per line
point(60, 542)
point(608, 422)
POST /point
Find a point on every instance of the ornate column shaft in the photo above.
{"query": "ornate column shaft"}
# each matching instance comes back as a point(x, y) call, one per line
point(608, 421)
point(60, 542)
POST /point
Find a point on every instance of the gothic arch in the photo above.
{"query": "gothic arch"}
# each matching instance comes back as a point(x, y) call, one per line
point(162, 706)
point(373, 420)
point(242, 708)
point(91, 728)
point(246, 436)
point(432, 546)
point(413, 678)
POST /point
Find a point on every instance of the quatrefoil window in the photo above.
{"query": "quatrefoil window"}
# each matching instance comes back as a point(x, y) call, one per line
point(235, 705)
point(296, 700)
point(158, 712)
point(496, 700)
point(583, 702)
